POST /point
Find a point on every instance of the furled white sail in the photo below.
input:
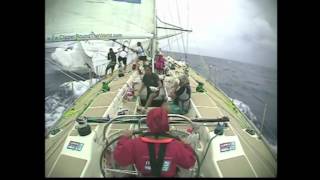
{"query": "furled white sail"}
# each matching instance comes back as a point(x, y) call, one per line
point(76, 20)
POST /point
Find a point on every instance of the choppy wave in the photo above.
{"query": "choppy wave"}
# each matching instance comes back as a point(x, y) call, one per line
point(57, 103)
point(245, 109)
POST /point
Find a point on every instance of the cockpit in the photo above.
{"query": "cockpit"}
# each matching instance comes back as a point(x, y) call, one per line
point(181, 127)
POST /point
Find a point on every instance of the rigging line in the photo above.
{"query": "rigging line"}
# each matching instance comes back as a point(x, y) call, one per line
point(115, 41)
point(182, 36)
point(164, 46)
point(161, 27)
point(177, 40)
point(75, 74)
point(178, 44)
point(70, 76)
point(183, 45)
point(174, 40)
point(168, 23)
point(188, 24)
point(171, 19)
point(168, 39)
point(178, 13)
point(169, 45)
point(59, 66)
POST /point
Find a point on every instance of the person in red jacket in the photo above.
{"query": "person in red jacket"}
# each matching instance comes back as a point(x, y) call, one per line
point(160, 63)
point(155, 150)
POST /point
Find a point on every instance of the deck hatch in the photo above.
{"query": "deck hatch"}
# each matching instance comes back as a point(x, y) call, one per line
point(68, 166)
point(235, 167)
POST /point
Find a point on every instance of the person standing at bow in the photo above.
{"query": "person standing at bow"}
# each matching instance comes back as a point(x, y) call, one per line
point(140, 52)
point(111, 65)
point(123, 55)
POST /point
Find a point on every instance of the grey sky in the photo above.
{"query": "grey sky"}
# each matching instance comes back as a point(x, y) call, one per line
point(243, 30)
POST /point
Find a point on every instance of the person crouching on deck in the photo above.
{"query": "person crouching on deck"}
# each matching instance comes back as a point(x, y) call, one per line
point(181, 96)
point(152, 82)
point(154, 149)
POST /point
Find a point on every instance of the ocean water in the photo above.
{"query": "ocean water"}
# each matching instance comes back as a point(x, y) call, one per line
point(60, 90)
point(250, 86)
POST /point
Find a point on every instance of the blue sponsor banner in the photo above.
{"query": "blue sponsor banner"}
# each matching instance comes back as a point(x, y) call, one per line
point(130, 1)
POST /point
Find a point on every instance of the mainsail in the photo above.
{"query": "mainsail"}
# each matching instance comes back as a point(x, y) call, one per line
point(83, 20)
point(77, 20)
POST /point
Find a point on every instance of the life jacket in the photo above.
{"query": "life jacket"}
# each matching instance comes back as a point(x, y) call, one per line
point(165, 140)
point(156, 164)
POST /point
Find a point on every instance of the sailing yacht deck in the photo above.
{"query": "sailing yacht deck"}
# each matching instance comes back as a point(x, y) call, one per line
point(101, 103)
point(256, 162)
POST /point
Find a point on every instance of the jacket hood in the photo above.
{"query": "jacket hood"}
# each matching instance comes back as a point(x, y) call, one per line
point(157, 120)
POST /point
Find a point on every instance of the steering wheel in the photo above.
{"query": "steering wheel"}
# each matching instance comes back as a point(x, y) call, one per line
point(109, 168)
point(107, 163)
